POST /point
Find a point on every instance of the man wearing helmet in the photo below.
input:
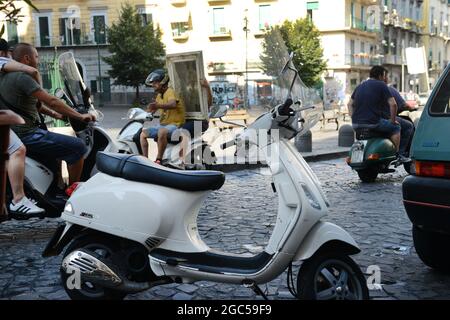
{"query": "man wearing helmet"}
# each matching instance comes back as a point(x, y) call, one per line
point(172, 113)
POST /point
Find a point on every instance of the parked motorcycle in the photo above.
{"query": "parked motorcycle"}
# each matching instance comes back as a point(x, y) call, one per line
point(42, 182)
point(134, 225)
point(374, 153)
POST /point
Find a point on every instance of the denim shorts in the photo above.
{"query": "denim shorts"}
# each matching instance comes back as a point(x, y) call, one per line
point(49, 145)
point(386, 126)
point(153, 131)
point(14, 142)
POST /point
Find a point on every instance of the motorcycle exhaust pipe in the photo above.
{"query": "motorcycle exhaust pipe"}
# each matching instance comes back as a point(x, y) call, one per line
point(92, 269)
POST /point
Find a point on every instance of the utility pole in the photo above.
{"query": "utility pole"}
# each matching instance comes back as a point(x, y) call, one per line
point(246, 60)
point(97, 32)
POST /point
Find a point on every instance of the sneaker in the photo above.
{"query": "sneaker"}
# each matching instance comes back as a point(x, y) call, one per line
point(403, 159)
point(24, 209)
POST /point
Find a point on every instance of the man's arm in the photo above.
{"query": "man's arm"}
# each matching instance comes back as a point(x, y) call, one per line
point(60, 107)
point(350, 107)
point(14, 66)
point(7, 117)
point(172, 104)
point(49, 112)
point(393, 109)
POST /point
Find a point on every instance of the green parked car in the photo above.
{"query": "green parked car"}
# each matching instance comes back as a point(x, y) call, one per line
point(426, 192)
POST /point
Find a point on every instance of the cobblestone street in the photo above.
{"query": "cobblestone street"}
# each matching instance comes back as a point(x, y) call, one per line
point(239, 218)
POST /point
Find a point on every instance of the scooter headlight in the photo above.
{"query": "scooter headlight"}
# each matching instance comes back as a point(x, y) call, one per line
point(68, 208)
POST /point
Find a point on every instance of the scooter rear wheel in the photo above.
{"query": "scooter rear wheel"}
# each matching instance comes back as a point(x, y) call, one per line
point(367, 175)
point(331, 276)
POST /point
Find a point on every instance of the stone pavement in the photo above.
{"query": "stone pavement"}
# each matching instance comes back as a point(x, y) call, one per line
point(239, 218)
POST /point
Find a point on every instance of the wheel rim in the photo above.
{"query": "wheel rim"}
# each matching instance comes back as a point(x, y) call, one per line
point(90, 289)
point(335, 280)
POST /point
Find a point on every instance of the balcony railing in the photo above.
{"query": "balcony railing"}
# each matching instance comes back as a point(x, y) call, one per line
point(358, 24)
point(83, 40)
point(366, 60)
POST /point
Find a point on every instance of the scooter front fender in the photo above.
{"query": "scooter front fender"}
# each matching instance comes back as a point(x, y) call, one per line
point(325, 235)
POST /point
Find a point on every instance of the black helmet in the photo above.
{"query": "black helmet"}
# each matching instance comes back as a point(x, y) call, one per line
point(158, 75)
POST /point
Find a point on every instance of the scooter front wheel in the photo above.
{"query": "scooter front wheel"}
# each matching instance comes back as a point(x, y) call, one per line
point(330, 276)
point(88, 290)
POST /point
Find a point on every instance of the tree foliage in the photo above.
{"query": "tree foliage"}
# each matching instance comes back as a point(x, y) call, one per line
point(302, 38)
point(136, 49)
point(11, 12)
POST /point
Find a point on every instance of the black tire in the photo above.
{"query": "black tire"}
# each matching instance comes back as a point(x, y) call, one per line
point(432, 248)
point(322, 273)
point(105, 247)
point(202, 158)
point(368, 175)
point(407, 167)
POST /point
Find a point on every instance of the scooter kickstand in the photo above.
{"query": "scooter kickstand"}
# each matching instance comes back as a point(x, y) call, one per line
point(252, 285)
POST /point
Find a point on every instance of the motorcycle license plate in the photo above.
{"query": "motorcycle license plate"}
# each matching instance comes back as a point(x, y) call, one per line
point(358, 152)
point(357, 156)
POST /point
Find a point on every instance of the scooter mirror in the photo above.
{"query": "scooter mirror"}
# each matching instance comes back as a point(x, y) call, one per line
point(218, 111)
point(59, 93)
point(286, 66)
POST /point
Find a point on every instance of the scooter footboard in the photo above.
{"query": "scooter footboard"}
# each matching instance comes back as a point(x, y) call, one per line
point(323, 236)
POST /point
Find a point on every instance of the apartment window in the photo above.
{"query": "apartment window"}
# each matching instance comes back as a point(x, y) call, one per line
point(310, 8)
point(179, 28)
point(43, 30)
point(99, 28)
point(146, 16)
point(219, 21)
point(13, 36)
point(362, 15)
point(432, 20)
point(70, 31)
point(264, 17)
point(352, 52)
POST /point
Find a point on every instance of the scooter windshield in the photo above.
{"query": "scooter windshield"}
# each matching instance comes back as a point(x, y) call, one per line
point(280, 70)
point(73, 83)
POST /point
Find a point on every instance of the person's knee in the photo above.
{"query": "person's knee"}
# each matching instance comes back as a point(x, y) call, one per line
point(162, 133)
point(144, 134)
point(20, 153)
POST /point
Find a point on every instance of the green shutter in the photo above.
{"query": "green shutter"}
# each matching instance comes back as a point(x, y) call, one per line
point(312, 5)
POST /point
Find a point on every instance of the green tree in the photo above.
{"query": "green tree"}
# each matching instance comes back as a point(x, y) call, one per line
point(302, 38)
point(136, 49)
point(11, 12)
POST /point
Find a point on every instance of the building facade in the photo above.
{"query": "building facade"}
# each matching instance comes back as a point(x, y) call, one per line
point(355, 35)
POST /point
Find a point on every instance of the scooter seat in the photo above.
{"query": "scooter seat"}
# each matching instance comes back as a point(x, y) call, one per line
point(140, 169)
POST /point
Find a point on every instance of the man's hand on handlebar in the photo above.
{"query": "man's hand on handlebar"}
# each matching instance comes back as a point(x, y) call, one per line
point(87, 118)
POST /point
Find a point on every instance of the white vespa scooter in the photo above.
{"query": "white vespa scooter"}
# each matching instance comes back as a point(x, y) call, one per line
point(198, 153)
point(134, 225)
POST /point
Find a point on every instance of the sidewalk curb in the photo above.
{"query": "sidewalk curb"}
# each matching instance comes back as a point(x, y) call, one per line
point(230, 167)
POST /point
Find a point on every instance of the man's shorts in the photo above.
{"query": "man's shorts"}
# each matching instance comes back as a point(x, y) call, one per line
point(49, 145)
point(153, 131)
point(14, 142)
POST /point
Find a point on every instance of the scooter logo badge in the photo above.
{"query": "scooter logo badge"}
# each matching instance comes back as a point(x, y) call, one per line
point(73, 282)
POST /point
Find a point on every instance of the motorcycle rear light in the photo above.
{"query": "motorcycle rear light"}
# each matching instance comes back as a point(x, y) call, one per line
point(432, 169)
point(70, 190)
point(373, 156)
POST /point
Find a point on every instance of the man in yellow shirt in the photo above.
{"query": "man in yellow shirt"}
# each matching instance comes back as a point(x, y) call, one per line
point(172, 113)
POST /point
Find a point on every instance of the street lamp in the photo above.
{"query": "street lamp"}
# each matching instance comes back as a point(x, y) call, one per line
point(246, 30)
point(97, 32)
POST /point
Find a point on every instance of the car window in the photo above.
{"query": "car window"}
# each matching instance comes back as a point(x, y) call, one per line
point(441, 103)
